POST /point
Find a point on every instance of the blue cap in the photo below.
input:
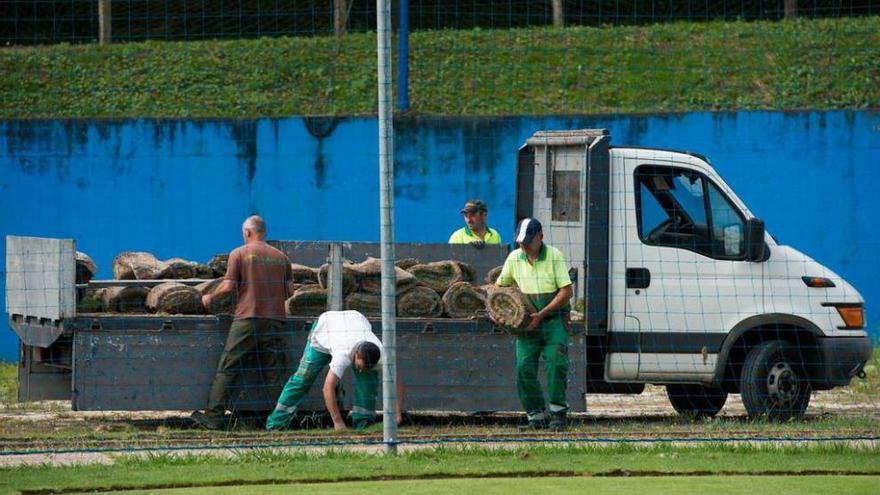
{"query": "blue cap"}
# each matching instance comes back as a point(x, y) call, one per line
point(527, 230)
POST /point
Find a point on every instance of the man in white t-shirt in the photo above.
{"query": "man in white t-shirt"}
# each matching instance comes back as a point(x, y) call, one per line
point(339, 339)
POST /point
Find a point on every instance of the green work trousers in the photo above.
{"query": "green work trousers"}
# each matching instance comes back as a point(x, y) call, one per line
point(313, 361)
point(252, 343)
point(550, 341)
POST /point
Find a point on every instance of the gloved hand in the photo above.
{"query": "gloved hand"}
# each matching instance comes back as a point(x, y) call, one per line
point(478, 244)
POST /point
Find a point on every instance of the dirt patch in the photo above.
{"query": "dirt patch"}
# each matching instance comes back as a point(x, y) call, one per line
point(49, 432)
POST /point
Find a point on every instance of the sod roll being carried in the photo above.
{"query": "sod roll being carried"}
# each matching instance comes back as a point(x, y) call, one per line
point(509, 307)
point(123, 299)
point(368, 304)
point(439, 275)
point(174, 298)
point(223, 305)
point(136, 265)
point(308, 300)
point(419, 302)
point(369, 276)
point(463, 300)
point(493, 274)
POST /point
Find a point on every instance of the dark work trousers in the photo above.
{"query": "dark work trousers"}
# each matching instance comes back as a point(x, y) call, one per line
point(254, 347)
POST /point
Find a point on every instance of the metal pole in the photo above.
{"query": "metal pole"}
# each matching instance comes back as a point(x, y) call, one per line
point(558, 14)
point(403, 58)
point(334, 277)
point(104, 16)
point(386, 209)
point(790, 9)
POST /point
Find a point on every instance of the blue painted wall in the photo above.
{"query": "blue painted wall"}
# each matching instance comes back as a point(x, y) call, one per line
point(182, 188)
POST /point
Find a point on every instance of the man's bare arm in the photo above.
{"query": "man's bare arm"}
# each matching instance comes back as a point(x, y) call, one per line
point(561, 298)
point(329, 391)
point(225, 287)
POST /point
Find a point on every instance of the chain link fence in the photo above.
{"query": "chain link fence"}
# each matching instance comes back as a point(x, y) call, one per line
point(675, 196)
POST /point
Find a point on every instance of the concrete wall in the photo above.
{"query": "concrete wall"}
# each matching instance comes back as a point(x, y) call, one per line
point(182, 188)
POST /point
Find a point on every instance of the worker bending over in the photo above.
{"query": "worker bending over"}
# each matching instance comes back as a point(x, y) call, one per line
point(340, 339)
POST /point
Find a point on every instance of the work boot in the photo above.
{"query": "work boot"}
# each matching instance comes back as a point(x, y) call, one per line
point(361, 424)
point(206, 421)
point(558, 422)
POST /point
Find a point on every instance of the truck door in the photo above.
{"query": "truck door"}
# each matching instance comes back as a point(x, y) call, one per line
point(687, 280)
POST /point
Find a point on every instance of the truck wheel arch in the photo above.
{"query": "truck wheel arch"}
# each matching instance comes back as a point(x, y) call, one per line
point(762, 327)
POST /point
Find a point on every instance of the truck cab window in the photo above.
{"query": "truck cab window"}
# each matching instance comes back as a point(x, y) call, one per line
point(728, 226)
point(672, 208)
point(682, 209)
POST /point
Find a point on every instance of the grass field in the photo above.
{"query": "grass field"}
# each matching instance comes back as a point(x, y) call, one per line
point(414, 468)
point(672, 485)
point(503, 464)
point(807, 64)
point(850, 411)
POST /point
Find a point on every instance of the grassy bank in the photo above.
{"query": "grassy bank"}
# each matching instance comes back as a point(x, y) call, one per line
point(807, 64)
point(267, 467)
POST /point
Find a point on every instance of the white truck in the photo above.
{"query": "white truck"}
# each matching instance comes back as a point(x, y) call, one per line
point(681, 284)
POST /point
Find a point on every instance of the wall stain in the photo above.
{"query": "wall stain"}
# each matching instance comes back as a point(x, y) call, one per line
point(320, 128)
point(244, 133)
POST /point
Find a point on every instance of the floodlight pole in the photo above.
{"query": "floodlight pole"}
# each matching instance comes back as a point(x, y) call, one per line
point(403, 57)
point(386, 210)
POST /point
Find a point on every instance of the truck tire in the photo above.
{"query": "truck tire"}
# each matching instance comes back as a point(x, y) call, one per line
point(696, 400)
point(774, 383)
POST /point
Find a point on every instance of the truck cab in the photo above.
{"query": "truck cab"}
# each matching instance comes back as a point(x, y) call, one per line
point(681, 284)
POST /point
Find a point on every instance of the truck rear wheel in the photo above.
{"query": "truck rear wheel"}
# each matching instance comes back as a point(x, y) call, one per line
point(696, 400)
point(773, 382)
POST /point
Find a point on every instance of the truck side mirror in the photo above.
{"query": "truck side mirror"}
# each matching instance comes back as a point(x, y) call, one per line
point(755, 239)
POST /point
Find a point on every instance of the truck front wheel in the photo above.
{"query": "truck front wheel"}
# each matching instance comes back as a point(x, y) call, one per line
point(696, 400)
point(773, 382)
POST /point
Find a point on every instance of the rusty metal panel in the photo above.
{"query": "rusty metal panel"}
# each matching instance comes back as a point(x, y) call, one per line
point(309, 253)
point(314, 253)
point(472, 371)
point(155, 363)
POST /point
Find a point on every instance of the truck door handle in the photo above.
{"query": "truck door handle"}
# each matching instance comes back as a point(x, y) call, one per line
point(638, 278)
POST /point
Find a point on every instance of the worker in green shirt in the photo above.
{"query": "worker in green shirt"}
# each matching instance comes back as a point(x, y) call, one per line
point(476, 232)
point(541, 274)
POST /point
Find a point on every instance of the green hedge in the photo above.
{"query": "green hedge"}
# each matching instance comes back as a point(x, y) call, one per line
point(804, 64)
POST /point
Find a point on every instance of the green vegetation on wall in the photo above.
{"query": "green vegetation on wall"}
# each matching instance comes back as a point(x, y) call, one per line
point(804, 64)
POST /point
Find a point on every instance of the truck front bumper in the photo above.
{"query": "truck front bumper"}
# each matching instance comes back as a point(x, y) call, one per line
point(842, 359)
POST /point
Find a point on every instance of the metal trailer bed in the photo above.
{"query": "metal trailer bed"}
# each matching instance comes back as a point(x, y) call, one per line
point(161, 362)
